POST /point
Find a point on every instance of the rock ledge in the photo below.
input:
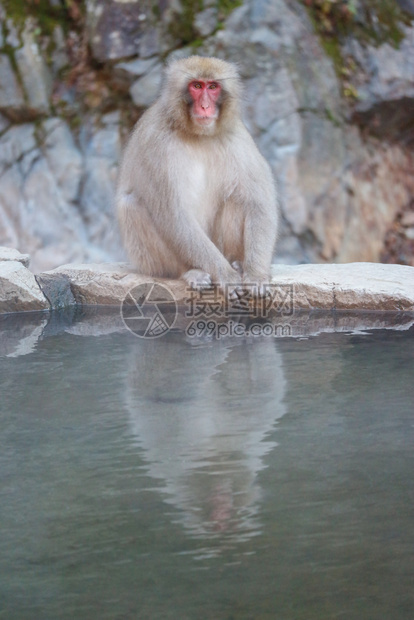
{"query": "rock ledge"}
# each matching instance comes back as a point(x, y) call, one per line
point(353, 286)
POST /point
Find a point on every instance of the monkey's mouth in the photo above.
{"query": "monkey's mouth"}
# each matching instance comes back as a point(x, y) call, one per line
point(205, 120)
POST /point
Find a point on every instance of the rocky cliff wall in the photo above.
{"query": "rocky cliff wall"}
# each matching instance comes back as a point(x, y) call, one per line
point(333, 115)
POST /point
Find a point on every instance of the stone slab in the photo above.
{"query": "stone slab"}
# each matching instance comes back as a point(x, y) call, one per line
point(10, 254)
point(354, 286)
point(351, 286)
point(19, 291)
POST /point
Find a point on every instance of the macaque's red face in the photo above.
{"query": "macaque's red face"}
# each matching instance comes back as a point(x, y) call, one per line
point(204, 95)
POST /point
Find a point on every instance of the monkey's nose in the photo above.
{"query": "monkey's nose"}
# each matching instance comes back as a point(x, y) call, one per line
point(205, 103)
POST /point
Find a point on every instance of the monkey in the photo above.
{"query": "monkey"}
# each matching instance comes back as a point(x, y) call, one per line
point(195, 198)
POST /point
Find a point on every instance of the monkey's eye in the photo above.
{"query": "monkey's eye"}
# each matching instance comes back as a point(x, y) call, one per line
point(213, 86)
point(197, 85)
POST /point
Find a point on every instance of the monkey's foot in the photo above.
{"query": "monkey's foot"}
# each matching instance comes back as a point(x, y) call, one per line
point(197, 279)
point(237, 266)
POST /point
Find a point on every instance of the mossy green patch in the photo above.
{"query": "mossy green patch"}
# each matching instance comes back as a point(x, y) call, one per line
point(371, 22)
point(225, 7)
point(45, 15)
point(183, 26)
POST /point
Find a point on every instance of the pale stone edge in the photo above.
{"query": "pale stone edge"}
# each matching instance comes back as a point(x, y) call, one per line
point(19, 291)
point(354, 286)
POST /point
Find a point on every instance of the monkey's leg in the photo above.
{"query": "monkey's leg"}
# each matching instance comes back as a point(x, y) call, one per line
point(194, 248)
point(147, 250)
point(228, 234)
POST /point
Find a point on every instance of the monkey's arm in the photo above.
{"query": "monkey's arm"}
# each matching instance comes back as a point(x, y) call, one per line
point(157, 176)
point(260, 231)
point(167, 192)
point(190, 242)
point(258, 194)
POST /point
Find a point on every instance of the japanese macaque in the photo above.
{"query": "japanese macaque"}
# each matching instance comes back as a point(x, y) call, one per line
point(195, 198)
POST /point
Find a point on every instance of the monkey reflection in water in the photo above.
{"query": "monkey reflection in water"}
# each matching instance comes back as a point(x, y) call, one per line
point(195, 198)
point(201, 415)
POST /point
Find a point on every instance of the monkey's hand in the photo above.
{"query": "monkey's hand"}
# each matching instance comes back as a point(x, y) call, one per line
point(256, 285)
point(238, 266)
point(197, 279)
point(231, 284)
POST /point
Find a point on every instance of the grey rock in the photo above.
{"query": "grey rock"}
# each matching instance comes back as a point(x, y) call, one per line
point(19, 291)
point(57, 291)
point(59, 56)
point(97, 199)
point(280, 103)
point(94, 284)
point(385, 86)
point(238, 19)
point(266, 37)
point(279, 18)
point(134, 68)
point(8, 232)
point(293, 203)
point(64, 159)
point(12, 203)
point(355, 286)
point(18, 148)
point(101, 138)
point(4, 123)
point(372, 206)
point(115, 29)
point(18, 142)
point(34, 73)
point(407, 5)
point(183, 52)
point(205, 21)
point(111, 119)
point(290, 251)
point(101, 144)
point(46, 224)
point(390, 72)
point(12, 37)
point(42, 209)
point(150, 43)
point(11, 95)
point(145, 90)
point(7, 254)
